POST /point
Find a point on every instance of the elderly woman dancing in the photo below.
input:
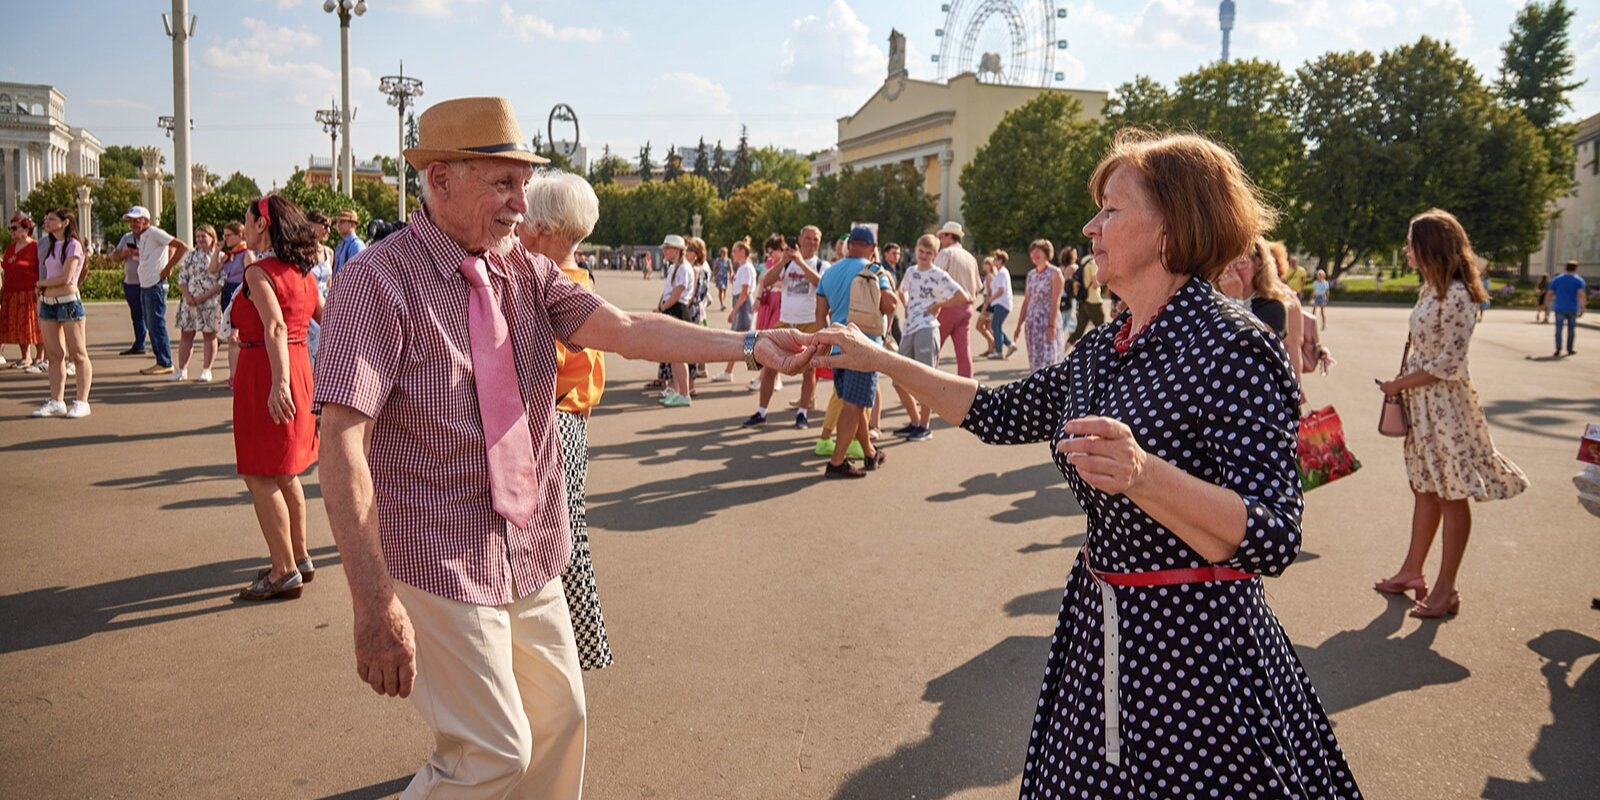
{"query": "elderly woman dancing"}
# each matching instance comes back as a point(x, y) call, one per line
point(562, 212)
point(1175, 427)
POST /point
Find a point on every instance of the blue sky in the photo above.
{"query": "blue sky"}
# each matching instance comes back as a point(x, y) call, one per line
point(637, 71)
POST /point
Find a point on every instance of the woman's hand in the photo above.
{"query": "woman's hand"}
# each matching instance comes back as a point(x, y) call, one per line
point(280, 403)
point(1388, 388)
point(856, 351)
point(1105, 453)
point(785, 350)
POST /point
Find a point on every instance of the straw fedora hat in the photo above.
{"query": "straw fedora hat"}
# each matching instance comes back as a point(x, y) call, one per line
point(470, 127)
point(954, 229)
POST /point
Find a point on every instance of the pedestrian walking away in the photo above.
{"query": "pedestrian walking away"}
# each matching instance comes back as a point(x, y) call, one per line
point(1570, 294)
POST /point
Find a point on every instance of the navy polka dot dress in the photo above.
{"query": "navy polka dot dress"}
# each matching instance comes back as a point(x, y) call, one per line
point(1211, 700)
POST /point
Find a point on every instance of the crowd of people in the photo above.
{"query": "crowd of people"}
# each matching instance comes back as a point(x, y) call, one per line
point(444, 379)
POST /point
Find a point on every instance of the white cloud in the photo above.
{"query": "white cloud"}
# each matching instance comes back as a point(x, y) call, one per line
point(117, 103)
point(1447, 19)
point(528, 27)
point(265, 56)
point(439, 9)
point(697, 93)
point(285, 5)
point(833, 52)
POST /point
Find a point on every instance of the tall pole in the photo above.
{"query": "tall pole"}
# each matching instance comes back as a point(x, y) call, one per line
point(401, 91)
point(347, 167)
point(181, 26)
point(329, 117)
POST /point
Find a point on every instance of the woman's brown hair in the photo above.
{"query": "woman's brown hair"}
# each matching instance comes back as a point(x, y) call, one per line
point(1000, 257)
point(697, 246)
point(1444, 253)
point(293, 240)
point(1211, 211)
point(1044, 246)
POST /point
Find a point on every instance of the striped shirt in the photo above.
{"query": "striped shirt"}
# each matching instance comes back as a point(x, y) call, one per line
point(395, 347)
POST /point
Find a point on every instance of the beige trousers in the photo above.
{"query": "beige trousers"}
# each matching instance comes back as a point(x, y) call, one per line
point(502, 689)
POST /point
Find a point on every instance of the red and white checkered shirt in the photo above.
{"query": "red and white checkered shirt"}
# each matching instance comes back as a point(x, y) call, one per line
point(395, 348)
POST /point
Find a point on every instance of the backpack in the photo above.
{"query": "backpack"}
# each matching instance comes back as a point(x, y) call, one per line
point(866, 301)
point(1080, 290)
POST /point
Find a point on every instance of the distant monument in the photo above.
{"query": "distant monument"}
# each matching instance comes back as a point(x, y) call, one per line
point(1225, 16)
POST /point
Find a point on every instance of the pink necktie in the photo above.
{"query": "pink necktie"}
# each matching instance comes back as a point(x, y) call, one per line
point(505, 416)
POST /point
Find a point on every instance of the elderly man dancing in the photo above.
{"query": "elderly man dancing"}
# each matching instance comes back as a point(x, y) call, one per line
point(441, 465)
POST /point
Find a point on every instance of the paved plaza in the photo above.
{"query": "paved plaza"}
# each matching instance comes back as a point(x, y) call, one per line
point(776, 635)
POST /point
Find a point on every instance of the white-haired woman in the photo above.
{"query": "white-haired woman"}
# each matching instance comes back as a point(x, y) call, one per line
point(562, 212)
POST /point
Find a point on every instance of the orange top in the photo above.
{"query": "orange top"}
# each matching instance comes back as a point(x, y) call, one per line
point(581, 376)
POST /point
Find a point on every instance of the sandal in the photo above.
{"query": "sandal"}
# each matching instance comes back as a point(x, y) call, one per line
point(287, 587)
point(1419, 585)
point(652, 385)
point(1424, 611)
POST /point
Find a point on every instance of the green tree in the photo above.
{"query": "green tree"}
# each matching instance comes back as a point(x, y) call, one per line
point(647, 168)
point(1507, 210)
point(1536, 76)
point(413, 180)
point(787, 171)
point(377, 200)
point(1030, 179)
point(891, 196)
point(702, 161)
point(217, 209)
point(1343, 207)
point(123, 161)
point(757, 211)
point(674, 166)
point(239, 183)
point(1142, 103)
point(741, 173)
point(1249, 106)
point(719, 170)
point(112, 199)
point(606, 168)
point(58, 192)
point(323, 198)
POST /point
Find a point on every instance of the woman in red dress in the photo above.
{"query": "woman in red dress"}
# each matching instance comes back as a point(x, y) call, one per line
point(19, 304)
point(274, 431)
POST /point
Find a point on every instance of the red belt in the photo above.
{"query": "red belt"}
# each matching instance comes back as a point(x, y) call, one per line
point(1167, 577)
point(253, 343)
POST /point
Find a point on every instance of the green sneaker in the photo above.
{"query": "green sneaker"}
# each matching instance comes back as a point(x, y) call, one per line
point(675, 400)
point(824, 448)
point(855, 450)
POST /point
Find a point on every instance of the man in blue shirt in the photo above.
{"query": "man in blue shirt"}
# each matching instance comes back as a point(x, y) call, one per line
point(1568, 291)
point(858, 390)
point(346, 221)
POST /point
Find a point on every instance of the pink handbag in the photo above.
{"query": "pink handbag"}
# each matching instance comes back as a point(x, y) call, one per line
point(1392, 421)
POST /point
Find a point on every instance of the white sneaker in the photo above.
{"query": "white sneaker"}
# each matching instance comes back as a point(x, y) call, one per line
point(79, 409)
point(51, 408)
point(179, 375)
point(755, 384)
point(722, 377)
point(205, 376)
point(72, 370)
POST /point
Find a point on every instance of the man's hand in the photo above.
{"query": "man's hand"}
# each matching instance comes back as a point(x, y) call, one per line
point(386, 652)
point(785, 350)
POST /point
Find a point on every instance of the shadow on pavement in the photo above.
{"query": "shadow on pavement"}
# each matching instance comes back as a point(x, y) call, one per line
point(1050, 496)
point(980, 736)
point(177, 476)
point(1564, 754)
point(1359, 666)
point(63, 442)
point(374, 792)
point(56, 615)
point(1550, 417)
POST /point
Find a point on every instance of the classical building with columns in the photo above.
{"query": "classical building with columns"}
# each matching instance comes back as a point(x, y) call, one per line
point(36, 143)
point(936, 127)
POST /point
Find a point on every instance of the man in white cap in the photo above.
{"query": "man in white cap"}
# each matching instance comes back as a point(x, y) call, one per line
point(955, 323)
point(159, 254)
point(442, 469)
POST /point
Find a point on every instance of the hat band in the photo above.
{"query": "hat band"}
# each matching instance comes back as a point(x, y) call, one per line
point(498, 148)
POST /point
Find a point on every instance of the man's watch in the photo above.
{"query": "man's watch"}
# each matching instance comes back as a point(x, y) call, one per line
point(750, 340)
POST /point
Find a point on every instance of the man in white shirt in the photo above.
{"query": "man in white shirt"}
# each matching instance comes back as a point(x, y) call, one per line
point(159, 254)
point(799, 268)
point(956, 322)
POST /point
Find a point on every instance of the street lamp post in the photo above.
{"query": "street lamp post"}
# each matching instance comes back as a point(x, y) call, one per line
point(329, 117)
point(345, 8)
point(401, 90)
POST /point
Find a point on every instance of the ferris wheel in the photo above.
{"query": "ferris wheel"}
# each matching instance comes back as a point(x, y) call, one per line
point(1003, 41)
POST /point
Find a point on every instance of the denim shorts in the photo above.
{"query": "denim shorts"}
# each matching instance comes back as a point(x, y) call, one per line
point(65, 312)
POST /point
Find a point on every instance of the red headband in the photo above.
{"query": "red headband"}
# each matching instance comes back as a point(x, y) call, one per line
point(261, 209)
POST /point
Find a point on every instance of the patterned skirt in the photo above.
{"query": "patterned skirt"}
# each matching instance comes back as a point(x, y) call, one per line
point(19, 318)
point(583, 599)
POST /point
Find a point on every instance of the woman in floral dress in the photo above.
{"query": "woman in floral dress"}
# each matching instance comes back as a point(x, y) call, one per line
point(1450, 457)
point(1041, 296)
point(201, 308)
